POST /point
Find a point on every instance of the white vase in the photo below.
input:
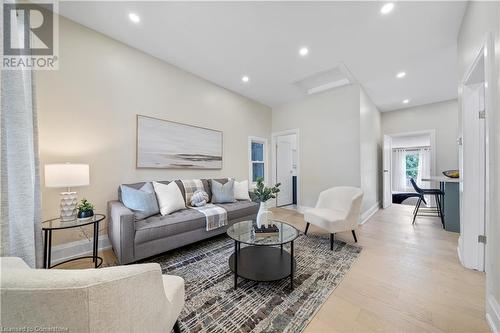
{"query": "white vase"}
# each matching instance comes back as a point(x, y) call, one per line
point(262, 215)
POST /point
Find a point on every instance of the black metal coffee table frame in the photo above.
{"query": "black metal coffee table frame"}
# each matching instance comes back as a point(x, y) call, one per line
point(263, 262)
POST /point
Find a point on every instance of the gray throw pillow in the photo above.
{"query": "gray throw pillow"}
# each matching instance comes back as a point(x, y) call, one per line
point(222, 193)
point(141, 201)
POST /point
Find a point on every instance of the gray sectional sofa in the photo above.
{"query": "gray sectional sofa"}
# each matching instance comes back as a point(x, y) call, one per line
point(134, 240)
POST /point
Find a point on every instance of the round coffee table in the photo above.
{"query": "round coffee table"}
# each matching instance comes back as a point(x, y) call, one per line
point(262, 260)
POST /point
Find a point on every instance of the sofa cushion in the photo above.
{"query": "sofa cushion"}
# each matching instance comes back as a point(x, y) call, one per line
point(239, 209)
point(169, 197)
point(222, 193)
point(141, 201)
point(241, 190)
point(166, 182)
point(156, 227)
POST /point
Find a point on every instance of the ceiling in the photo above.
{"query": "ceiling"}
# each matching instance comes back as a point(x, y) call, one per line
point(223, 41)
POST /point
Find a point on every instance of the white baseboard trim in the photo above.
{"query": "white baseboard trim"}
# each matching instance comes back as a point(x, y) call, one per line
point(369, 212)
point(493, 314)
point(77, 248)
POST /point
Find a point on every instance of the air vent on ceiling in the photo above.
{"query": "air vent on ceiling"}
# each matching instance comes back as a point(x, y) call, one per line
point(338, 76)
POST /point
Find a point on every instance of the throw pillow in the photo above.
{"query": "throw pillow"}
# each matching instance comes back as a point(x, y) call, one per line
point(170, 198)
point(241, 190)
point(222, 193)
point(141, 201)
point(199, 198)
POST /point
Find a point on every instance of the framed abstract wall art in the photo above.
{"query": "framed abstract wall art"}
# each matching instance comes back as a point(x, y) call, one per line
point(171, 145)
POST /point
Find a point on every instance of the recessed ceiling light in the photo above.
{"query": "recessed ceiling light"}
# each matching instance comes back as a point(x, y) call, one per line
point(406, 101)
point(134, 17)
point(387, 8)
point(245, 78)
point(303, 51)
point(401, 75)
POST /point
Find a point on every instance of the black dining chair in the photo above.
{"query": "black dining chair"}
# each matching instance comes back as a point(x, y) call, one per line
point(437, 193)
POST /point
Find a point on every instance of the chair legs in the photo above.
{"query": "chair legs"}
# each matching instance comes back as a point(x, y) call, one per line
point(331, 242)
point(177, 329)
point(415, 211)
point(438, 208)
point(307, 228)
point(354, 235)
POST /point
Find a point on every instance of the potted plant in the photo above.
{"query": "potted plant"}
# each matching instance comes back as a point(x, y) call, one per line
point(85, 209)
point(263, 194)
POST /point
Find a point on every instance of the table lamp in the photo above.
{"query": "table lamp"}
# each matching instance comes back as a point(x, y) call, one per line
point(67, 175)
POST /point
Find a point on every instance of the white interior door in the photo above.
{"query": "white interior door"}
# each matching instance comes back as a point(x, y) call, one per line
point(387, 197)
point(284, 170)
point(474, 174)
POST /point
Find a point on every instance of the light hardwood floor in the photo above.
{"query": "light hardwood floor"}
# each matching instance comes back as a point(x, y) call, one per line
point(407, 279)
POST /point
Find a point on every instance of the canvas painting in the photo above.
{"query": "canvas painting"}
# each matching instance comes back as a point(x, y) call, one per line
point(167, 144)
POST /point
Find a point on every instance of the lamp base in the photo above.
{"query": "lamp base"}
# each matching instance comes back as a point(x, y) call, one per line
point(69, 201)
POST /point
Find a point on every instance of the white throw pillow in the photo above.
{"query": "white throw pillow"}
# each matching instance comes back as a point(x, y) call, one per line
point(241, 190)
point(169, 197)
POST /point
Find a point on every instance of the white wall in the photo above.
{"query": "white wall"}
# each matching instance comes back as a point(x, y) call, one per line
point(479, 19)
point(371, 152)
point(87, 113)
point(441, 117)
point(329, 147)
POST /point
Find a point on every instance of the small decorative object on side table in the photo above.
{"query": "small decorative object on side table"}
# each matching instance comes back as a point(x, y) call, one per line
point(57, 224)
point(85, 209)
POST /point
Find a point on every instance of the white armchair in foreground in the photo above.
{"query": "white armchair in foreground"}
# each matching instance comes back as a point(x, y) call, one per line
point(337, 210)
point(134, 298)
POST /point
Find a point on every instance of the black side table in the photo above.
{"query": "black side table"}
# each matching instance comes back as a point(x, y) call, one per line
point(57, 224)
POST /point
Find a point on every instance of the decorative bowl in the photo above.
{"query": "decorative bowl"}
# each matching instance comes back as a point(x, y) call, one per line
point(451, 173)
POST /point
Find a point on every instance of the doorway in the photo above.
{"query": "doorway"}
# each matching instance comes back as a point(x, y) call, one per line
point(405, 156)
point(286, 166)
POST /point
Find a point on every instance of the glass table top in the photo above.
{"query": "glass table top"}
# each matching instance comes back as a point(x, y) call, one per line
point(57, 223)
point(244, 232)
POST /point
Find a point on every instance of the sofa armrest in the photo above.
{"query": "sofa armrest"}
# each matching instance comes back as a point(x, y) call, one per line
point(121, 231)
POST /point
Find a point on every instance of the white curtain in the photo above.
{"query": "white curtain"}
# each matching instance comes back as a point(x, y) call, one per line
point(424, 171)
point(424, 167)
point(399, 170)
point(20, 210)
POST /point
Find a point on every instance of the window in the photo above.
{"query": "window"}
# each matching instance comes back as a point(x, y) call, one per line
point(257, 157)
point(412, 159)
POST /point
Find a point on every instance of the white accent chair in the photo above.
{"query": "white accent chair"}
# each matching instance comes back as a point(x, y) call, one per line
point(134, 298)
point(337, 210)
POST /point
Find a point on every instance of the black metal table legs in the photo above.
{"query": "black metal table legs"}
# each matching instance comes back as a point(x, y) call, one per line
point(236, 246)
point(47, 249)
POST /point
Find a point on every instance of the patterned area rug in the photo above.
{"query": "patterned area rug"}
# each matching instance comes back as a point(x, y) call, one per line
point(212, 305)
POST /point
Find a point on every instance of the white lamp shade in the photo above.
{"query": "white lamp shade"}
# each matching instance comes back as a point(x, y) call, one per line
point(66, 175)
